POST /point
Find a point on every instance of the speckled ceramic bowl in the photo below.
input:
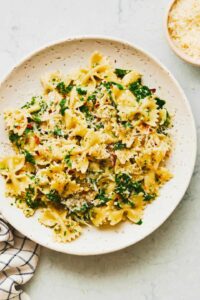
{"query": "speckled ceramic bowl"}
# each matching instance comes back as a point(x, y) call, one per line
point(24, 82)
point(174, 47)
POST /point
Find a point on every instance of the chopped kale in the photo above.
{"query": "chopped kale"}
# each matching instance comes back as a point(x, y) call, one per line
point(29, 157)
point(36, 119)
point(84, 109)
point(30, 193)
point(121, 73)
point(14, 138)
point(99, 125)
point(160, 102)
point(165, 125)
point(81, 91)
point(126, 124)
point(140, 91)
point(119, 146)
point(103, 199)
point(43, 106)
point(54, 197)
point(92, 98)
point(167, 121)
point(57, 132)
point(83, 209)
point(63, 106)
point(28, 130)
point(148, 197)
point(120, 87)
point(108, 85)
point(68, 159)
point(139, 222)
point(29, 103)
point(117, 204)
point(137, 187)
point(63, 89)
point(125, 186)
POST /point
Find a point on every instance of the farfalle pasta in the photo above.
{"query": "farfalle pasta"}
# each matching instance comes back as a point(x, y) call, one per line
point(92, 149)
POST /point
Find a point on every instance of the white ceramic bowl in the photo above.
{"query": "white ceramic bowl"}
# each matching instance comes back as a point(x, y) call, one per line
point(24, 82)
point(172, 44)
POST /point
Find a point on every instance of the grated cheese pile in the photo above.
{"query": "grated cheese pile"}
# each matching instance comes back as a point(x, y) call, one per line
point(184, 26)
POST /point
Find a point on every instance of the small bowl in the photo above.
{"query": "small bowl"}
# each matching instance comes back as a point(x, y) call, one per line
point(172, 44)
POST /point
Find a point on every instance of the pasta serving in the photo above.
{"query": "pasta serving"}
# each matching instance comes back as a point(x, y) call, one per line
point(91, 149)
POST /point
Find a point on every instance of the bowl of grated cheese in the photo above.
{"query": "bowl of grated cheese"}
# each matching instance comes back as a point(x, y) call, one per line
point(183, 29)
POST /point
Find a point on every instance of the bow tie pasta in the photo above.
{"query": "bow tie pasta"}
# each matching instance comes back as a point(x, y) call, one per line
point(92, 149)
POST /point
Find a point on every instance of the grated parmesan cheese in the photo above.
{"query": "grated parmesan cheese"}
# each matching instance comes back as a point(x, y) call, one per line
point(184, 26)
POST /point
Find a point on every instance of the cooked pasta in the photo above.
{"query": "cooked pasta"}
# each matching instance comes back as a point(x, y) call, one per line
point(91, 149)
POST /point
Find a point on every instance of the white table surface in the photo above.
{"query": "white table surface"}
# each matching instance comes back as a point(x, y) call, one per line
point(166, 265)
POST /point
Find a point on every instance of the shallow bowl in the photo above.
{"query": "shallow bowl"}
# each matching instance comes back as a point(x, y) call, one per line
point(23, 82)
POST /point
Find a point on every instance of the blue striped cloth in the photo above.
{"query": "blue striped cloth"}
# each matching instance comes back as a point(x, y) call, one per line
point(18, 260)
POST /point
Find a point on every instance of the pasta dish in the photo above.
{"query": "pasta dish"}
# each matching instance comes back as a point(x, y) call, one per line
point(91, 150)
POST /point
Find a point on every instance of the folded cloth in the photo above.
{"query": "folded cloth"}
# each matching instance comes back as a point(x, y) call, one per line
point(18, 260)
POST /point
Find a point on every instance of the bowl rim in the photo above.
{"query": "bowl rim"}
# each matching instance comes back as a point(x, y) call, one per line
point(194, 132)
point(177, 51)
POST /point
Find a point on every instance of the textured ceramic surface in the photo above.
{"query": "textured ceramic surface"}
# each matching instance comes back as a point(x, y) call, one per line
point(24, 82)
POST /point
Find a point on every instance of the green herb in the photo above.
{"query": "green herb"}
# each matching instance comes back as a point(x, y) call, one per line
point(29, 157)
point(137, 187)
point(102, 197)
point(28, 130)
point(160, 102)
point(63, 89)
point(120, 87)
point(57, 132)
point(108, 85)
point(127, 124)
point(81, 91)
point(117, 204)
point(98, 126)
point(83, 209)
point(148, 197)
point(84, 109)
point(165, 125)
point(92, 98)
point(30, 193)
point(36, 119)
point(54, 197)
point(131, 204)
point(140, 91)
point(68, 158)
point(43, 106)
point(125, 186)
point(30, 103)
point(119, 146)
point(139, 222)
point(167, 121)
point(121, 73)
point(14, 138)
point(93, 183)
point(62, 106)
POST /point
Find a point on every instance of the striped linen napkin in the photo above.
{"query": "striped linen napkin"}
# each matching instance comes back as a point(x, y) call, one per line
point(18, 260)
